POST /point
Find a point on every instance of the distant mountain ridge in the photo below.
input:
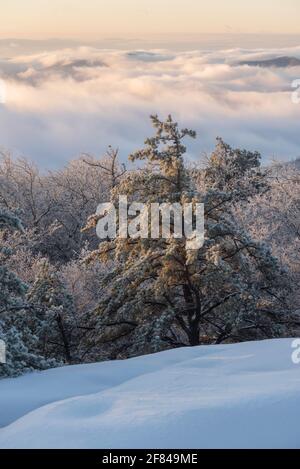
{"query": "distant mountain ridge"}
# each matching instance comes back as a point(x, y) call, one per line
point(278, 62)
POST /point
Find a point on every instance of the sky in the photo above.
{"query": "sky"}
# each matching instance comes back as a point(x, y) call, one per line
point(93, 19)
point(77, 76)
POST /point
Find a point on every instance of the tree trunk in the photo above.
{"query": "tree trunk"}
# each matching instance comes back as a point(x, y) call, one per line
point(64, 338)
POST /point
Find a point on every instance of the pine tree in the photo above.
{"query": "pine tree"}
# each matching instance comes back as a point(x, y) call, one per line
point(237, 172)
point(20, 342)
point(11, 288)
point(164, 294)
point(53, 320)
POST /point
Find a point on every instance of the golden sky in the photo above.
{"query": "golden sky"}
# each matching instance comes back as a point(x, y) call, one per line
point(92, 19)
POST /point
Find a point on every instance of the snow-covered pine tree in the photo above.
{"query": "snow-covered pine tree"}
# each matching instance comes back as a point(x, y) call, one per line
point(11, 288)
point(54, 320)
point(235, 171)
point(161, 294)
point(20, 342)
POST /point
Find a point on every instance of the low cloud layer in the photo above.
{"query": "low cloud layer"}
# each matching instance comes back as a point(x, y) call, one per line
point(62, 103)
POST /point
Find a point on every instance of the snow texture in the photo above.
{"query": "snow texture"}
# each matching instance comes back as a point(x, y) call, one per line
point(226, 396)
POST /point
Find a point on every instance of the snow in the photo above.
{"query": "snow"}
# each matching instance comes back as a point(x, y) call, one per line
point(226, 396)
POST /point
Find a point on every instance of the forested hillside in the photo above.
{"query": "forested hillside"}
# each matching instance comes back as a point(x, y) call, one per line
point(67, 297)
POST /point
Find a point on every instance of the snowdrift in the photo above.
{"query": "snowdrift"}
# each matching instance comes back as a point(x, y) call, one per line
point(227, 396)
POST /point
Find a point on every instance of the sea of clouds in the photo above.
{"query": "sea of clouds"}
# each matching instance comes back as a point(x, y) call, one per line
point(82, 99)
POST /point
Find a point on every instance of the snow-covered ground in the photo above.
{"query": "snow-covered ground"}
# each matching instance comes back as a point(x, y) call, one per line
point(227, 396)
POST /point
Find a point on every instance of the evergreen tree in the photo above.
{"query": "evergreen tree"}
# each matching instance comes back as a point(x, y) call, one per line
point(20, 342)
point(235, 171)
point(164, 294)
point(53, 319)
